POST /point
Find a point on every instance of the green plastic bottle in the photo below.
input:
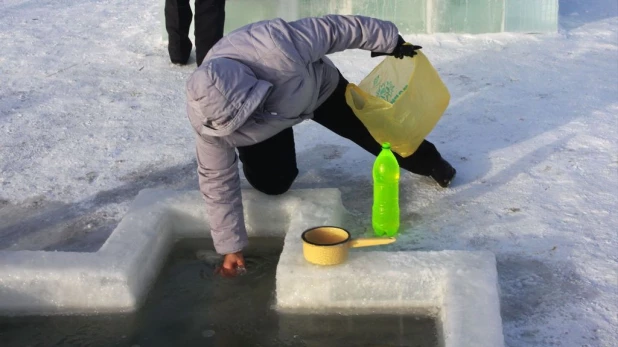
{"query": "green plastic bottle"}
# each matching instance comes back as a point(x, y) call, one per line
point(385, 211)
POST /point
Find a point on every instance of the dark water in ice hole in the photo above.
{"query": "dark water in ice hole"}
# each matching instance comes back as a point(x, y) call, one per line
point(189, 306)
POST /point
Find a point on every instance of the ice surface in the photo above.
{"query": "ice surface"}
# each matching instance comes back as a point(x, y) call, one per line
point(117, 277)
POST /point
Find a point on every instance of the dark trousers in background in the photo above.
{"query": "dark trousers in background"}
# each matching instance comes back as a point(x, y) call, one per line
point(270, 166)
point(209, 22)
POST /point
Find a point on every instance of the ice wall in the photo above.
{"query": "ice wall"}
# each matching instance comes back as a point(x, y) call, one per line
point(531, 16)
point(411, 16)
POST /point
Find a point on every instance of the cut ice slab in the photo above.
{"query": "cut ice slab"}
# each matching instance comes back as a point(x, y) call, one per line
point(117, 277)
point(459, 287)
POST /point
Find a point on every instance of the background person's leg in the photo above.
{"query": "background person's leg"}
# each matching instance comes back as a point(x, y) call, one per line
point(209, 23)
point(337, 116)
point(270, 166)
point(178, 18)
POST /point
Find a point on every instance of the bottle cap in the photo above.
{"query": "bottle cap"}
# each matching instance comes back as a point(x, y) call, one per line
point(386, 145)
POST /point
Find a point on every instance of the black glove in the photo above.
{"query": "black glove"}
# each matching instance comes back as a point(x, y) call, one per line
point(401, 50)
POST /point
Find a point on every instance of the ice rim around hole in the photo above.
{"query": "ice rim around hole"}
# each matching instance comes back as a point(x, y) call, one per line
point(459, 287)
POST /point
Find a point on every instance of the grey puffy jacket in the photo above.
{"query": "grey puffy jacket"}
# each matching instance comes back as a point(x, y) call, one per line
point(255, 82)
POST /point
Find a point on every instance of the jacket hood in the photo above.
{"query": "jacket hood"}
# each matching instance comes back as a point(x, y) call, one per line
point(222, 94)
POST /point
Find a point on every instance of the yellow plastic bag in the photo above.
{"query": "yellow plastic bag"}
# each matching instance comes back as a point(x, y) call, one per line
point(400, 101)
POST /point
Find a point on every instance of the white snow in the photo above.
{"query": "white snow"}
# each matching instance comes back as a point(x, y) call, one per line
point(91, 111)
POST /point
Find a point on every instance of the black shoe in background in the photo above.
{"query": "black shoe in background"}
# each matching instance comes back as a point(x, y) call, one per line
point(180, 52)
point(443, 173)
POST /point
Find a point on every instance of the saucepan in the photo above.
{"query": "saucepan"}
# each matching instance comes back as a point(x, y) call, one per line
point(329, 245)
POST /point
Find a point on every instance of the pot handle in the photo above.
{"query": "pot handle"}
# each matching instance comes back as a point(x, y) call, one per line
point(373, 241)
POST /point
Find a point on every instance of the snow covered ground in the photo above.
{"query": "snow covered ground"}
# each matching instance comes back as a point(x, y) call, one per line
point(91, 111)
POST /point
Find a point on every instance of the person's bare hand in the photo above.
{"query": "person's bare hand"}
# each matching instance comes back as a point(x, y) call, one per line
point(233, 265)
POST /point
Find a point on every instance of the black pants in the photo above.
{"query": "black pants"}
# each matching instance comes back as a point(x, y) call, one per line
point(209, 21)
point(270, 166)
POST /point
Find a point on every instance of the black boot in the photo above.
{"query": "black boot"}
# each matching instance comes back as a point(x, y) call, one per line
point(180, 52)
point(443, 173)
point(178, 17)
point(209, 26)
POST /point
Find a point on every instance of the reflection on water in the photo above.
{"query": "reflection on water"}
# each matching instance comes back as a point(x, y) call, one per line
point(190, 306)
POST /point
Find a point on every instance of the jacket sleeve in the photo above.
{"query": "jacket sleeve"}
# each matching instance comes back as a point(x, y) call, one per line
point(219, 183)
point(318, 36)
